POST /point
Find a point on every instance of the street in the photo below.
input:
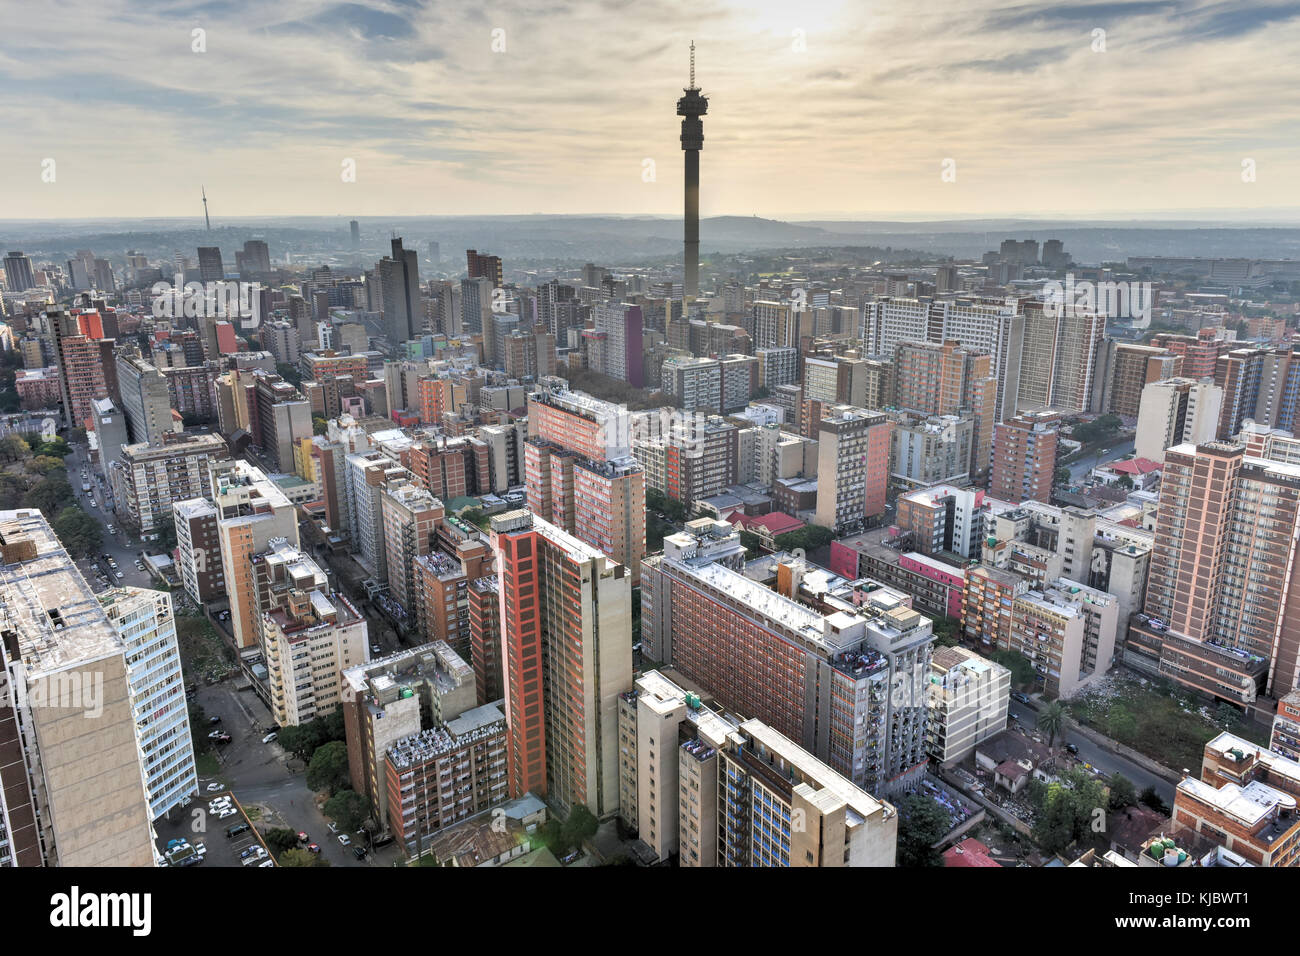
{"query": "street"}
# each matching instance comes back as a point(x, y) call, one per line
point(1104, 760)
point(1080, 468)
point(267, 782)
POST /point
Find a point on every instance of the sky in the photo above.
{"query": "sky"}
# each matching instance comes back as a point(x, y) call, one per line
point(817, 109)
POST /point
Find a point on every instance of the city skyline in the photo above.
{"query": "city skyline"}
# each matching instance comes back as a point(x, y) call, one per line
point(442, 113)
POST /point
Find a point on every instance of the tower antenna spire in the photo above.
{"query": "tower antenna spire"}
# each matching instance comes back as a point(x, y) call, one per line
point(206, 220)
point(693, 64)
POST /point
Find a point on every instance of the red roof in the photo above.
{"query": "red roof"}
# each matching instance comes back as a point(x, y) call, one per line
point(969, 852)
point(776, 522)
point(1135, 466)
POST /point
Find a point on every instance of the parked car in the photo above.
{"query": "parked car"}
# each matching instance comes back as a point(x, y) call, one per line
point(215, 734)
point(359, 852)
point(237, 829)
point(1072, 748)
point(173, 844)
point(214, 720)
point(1023, 698)
point(222, 739)
point(214, 787)
point(269, 737)
point(201, 849)
point(334, 827)
point(227, 812)
point(345, 840)
point(303, 838)
point(267, 863)
point(313, 847)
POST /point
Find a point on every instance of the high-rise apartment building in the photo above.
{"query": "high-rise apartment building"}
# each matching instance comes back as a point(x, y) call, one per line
point(713, 791)
point(969, 699)
point(251, 512)
point(580, 473)
point(399, 280)
point(210, 267)
point(19, 275)
point(1222, 614)
point(146, 399)
point(198, 549)
point(1132, 368)
point(839, 671)
point(73, 784)
point(566, 618)
point(995, 329)
point(1024, 457)
point(853, 456)
point(309, 636)
point(143, 620)
point(148, 479)
point(1174, 411)
point(81, 353)
point(484, 267)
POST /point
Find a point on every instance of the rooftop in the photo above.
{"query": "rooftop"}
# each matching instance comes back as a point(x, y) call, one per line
point(46, 602)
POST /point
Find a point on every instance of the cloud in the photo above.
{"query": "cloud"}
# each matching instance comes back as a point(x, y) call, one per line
point(821, 105)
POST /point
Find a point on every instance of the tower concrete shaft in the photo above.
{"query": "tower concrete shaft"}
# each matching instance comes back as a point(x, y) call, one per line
point(691, 107)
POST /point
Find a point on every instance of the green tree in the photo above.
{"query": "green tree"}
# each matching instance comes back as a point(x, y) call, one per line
point(1067, 811)
point(947, 632)
point(77, 434)
point(1051, 720)
point(81, 534)
point(49, 495)
point(280, 839)
point(752, 542)
point(44, 464)
point(921, 824)
point(13, 448)
point(1122, 792)
point(55, 446)
point(290, 373)
point(319, 426)
point(1022, 670)
point(1125, 481)
point(348, 809)
point(1062, 476)
point(302, 858)
point(328, 770)
point(581, 825)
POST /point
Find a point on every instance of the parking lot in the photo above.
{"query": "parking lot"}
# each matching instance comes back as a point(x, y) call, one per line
point(202, 826)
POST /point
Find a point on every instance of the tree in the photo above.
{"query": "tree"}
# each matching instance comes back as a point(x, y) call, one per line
point(290, 373)
point(81, 534)
point(581, 825)
point(1022, 670)
point(328, 769)
point(44, 464)
point(947, 632)
point(348, 809)
point(1051, 720)
point(280, 839)
point(1062, 476)
point(1122, 792)
point(77, 434)
point(49, 495)
point(302, 858)
point(752, 542)
point(1126, 482)
point(921, 824)
point(319, 426)
point(1068, 810)
point(55, 446)
point(13, 448)
point(1150, 798)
